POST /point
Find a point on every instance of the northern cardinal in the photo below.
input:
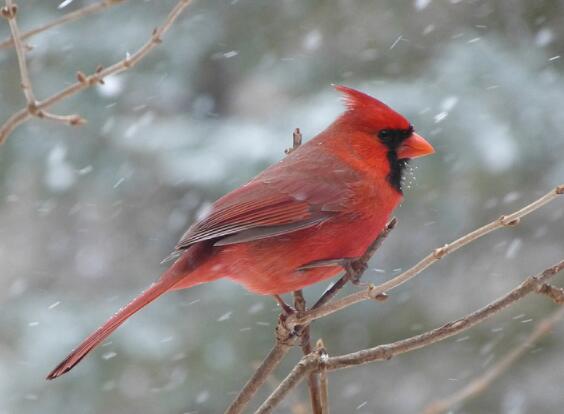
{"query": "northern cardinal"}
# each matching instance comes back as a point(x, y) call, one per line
point(327, 200)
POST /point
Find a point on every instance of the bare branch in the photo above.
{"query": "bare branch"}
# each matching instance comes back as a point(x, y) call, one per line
point(9, 13)
point(73, 120)
point(296, 141)
point(69, 17)
point(302, 368)
point(312, 362)
point(259, 378)
point(373, 292)
point(98, 76)
point(554, 293)
point(323, 377)
point(312, 380)
point(531, 284)
point(481, 383)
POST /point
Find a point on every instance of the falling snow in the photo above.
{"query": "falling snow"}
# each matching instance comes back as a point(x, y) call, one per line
point(60, 174)
point(64, 4)
point(421, 4)
point(88, 212)
point(112, 86)
point(225, 316)
point(109, 355)
point(513, 248)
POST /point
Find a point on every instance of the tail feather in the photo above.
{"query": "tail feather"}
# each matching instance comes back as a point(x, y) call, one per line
point(149, 295)
point(180, 271)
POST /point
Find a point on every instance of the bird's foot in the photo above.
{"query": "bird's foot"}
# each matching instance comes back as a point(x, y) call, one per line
point(355, 268)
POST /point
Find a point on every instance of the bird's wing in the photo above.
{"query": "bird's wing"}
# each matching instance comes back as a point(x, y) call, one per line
point(279, 201)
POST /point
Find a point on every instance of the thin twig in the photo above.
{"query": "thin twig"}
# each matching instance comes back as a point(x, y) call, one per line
point(312, 380)
point(554, 293)
point(373, 292)
point(258, 379)
point(481, 383)
point(68, 17)
point(303, 367)
point(9, 12)
point(323, 377)
point(86, 81)
point(296, 141)
point(74, 120)
point(313, 361)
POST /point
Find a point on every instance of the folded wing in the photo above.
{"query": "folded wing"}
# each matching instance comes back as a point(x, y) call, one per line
point(275, 203)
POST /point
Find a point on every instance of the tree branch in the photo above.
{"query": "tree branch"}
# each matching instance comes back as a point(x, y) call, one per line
point(313, 362)
point(373, 292)
point(481, 383)
point(98, 76)
point(302, 368)
point(312, 380)
point(300, 306)
point(296, 141)
point(69, 17)
point(9, 13)
point(323, 377)
point(259, 378)
point(284, 338)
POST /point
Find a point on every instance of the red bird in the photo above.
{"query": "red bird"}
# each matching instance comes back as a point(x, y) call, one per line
point(328, 199)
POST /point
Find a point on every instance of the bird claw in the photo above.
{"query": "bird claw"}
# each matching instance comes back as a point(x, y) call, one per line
point(355, 268)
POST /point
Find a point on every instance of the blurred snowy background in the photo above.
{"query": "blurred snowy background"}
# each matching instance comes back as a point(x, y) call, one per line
point(86, 214)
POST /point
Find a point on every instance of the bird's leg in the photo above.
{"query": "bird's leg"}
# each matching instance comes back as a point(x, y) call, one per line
point(287, 309)
point(354, 269)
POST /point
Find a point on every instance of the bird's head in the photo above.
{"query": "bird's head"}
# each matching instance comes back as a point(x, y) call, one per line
point(387, 131)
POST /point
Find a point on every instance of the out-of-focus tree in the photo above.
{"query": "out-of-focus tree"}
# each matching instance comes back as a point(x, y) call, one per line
point(86, 214)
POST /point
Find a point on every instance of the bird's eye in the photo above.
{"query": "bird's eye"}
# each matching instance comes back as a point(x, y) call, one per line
point(394, 136)
point(385, 134)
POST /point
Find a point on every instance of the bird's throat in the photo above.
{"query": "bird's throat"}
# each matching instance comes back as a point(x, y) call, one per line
point(397, 167)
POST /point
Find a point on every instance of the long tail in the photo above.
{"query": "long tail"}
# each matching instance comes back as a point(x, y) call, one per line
point(149, 295)
point(178, 271)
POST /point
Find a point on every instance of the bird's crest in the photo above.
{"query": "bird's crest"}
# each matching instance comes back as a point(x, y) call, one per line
point(370, 111)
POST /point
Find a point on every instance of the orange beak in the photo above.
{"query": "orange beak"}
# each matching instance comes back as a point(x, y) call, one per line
point(414, 147)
